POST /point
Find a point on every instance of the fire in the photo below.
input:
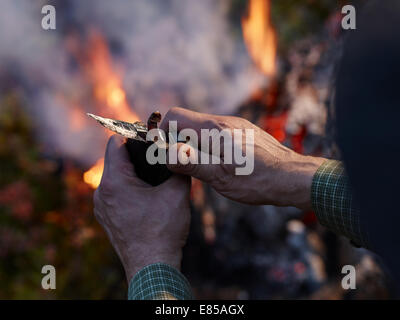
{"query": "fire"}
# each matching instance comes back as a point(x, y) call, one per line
point(108, 93)
point(260, 36)
point(93, 176)
point(116, 97)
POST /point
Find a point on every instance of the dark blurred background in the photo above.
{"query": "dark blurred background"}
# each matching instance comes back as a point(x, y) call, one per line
point(272, 62)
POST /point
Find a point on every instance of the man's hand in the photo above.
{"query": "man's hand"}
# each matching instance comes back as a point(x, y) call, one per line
point(280, 177)
point(144, 224)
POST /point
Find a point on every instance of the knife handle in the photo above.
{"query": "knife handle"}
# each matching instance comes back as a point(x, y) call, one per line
point(153, 174)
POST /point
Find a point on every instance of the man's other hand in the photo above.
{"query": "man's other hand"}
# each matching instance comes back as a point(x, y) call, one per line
point(144, 224)
point(280, 177)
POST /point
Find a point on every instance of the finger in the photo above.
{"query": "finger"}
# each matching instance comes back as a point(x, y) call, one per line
point(189, 119)
point(204, 172)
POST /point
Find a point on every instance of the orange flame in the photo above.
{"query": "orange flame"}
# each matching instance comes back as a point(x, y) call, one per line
point(108, 93)
point(93, 176)
point(260, 36)
point(107, 83)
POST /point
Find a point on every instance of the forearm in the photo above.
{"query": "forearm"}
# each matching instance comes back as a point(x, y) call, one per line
point(321, 185)
point(298, 173)
point(288, 182)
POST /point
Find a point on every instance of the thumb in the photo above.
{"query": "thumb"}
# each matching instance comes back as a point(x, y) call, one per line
point(187, 162)
point(116, 160)
point(117, 165)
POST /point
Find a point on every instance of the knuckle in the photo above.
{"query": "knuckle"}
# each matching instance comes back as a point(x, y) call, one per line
point(225, 122)
point(224, 125)
point(173, 112)
point(212, 124)
point(237, 122)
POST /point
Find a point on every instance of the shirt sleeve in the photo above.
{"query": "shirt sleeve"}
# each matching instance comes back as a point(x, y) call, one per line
point(333, 203)
point(159, 282)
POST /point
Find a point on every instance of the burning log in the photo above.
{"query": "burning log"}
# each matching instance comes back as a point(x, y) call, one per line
point(137, 145)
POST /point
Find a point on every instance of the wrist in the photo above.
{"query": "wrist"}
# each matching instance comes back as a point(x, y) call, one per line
point(297, 176)
point(150, 256)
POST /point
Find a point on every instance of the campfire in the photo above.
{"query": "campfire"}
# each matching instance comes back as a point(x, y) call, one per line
point(125, 59)
point(271, 104)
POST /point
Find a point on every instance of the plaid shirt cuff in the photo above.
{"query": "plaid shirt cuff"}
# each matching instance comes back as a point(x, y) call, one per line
point(333, 203)
point(159, 281)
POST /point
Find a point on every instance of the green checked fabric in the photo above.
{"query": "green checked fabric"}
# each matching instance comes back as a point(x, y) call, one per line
point(159, 282)
point(333, 203)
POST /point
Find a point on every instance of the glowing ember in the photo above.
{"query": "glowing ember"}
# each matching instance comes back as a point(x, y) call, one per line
point(260, 36)
point(93, 176)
